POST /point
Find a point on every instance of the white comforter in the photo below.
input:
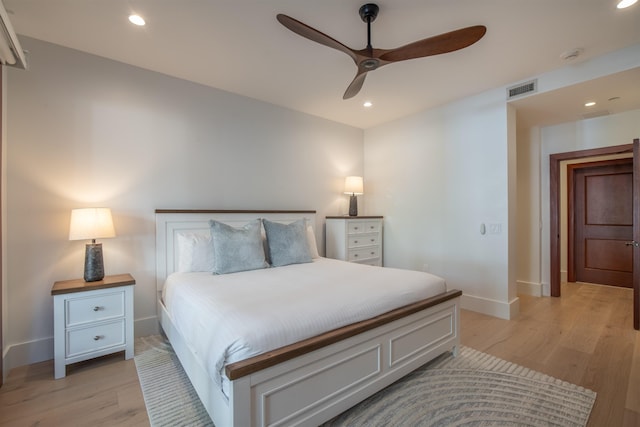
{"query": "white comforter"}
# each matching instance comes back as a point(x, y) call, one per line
point(231, 317)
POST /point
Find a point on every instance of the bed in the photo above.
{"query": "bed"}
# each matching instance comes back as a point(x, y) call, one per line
point(306, 375)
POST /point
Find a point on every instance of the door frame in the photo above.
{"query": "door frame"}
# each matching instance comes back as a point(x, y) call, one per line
point(571, 170)
point(554, 219)
point(636, 233)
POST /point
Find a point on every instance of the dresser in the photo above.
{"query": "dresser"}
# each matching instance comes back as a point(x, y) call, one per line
point(92, 319)
point(355, 239)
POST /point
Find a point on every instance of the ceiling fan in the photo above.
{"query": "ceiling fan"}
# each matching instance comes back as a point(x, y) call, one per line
point(369, 59)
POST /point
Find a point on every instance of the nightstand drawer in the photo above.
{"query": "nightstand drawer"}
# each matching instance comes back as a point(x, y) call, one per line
point(94, 338)
point(94, 308)
point(363, 254)
point(364, 240)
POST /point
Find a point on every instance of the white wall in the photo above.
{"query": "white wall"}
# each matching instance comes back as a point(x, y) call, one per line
point(86, 131)
point(437, 176)
point(528, 216)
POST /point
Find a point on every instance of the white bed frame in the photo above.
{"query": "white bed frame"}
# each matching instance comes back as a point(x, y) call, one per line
point(307, 383)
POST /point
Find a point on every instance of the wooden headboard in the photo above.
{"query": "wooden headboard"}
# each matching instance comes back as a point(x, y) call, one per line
point(170, 222)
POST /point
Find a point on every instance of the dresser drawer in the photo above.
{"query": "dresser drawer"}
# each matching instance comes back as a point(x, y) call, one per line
point(364, 240)
point(94, 308)
point(363, 254)
point(371, 226)
point(94, 338)
point(355, 227)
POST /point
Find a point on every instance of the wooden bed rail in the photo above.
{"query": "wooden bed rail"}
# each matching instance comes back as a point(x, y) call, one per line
point(262, 361)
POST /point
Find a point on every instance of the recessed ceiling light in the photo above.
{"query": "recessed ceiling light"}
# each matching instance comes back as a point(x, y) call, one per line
point(590, 104)
point(367, 104)
point(136, 20)
point(626, 3)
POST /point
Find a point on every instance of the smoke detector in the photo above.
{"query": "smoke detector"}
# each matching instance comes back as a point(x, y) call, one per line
point(571, 55)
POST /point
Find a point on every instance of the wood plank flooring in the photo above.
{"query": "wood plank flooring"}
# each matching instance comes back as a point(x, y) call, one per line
point(585, 337)
point(100, 392)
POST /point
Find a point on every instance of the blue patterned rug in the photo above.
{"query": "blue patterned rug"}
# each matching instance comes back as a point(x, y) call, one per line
point(474, 389)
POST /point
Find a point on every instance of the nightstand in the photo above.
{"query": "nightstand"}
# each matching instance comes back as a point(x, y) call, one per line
point(355, 239)
point(92, 319)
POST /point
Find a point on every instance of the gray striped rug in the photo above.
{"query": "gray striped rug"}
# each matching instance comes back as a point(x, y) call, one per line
point(474, 389)
point(168, 393)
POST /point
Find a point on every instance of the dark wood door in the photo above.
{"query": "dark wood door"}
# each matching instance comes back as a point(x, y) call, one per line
point(636, 233)
point(1, 283)
point(603, 222)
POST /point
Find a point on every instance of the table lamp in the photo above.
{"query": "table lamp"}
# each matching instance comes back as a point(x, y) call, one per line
point(92, 224)
point(353, 185)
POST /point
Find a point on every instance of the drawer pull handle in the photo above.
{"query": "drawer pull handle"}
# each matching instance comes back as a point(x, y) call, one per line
point(373, 253)
point(98, 337)
point(373, 240)
point(355, 228)
point(355, 255)
point(355, 241)
point(98, 308)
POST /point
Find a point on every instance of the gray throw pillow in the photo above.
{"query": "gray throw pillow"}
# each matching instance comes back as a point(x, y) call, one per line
point(237, 249)
point(287, 242)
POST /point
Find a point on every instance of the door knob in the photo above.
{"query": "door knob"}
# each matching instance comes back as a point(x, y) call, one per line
point(632, 243)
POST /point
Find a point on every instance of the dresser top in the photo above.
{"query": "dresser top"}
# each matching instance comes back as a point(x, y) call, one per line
point(79, 285)
point(355, 217)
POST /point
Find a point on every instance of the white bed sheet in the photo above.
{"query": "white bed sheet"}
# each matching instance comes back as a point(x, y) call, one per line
point(231, 317)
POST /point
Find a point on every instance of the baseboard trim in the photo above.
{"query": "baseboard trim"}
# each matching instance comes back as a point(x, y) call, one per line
point(529, 288)
point(546, 289)
point(40, 350)
point(146, 327)
point(28, 352)
point(500, 309)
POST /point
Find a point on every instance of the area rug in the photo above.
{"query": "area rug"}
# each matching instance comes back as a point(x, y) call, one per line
point(473, 389)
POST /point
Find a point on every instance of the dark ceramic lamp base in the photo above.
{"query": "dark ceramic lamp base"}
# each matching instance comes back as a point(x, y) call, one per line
point(93, 265)
point(353, 205)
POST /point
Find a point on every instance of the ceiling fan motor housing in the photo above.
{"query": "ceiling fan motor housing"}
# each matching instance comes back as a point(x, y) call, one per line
point(369, 12)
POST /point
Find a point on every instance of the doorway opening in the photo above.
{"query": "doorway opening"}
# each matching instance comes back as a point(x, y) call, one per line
point(555, 161)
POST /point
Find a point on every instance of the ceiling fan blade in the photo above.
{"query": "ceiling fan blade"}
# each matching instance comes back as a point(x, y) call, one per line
point(355, 85)
point(436, 45)
point(312, 34)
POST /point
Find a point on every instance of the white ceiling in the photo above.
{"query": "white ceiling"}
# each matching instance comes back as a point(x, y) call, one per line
point(238, 46)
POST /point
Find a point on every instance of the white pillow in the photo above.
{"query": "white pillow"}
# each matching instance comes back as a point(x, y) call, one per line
point(311, 239)
point(195, 253)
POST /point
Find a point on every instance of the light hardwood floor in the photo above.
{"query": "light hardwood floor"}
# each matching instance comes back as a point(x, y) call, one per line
point(585, 337)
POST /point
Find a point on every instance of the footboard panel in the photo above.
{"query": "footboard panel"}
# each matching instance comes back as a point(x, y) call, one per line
point(315, 387)
point(310, 387)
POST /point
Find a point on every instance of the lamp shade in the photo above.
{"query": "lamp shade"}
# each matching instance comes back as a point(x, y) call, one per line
point(353, 185)
point(91, 223)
